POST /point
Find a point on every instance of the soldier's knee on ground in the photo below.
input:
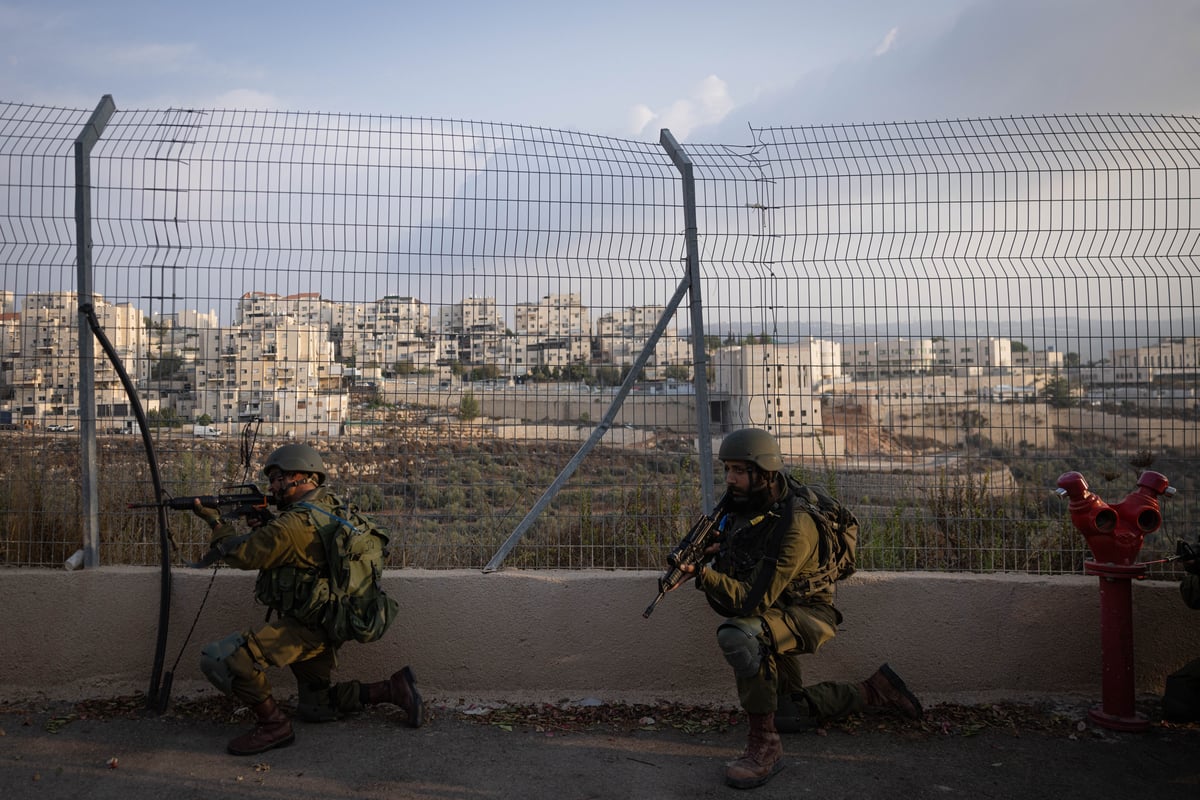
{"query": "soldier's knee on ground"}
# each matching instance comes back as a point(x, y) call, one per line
point(739, 640)
point(315, 704)
point(795, 714)
point(225, 660)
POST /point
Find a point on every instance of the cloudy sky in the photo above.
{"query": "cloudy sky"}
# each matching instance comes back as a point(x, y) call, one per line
point(707, 70)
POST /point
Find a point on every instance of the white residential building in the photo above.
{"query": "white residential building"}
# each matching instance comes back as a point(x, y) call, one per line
point(769, 386)
point(557, 330)
point(45, 373)
point(620, 337)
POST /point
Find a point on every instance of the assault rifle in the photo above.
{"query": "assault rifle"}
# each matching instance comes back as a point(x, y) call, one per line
point(243, 501)
point(1187, 552)
point(689, 552)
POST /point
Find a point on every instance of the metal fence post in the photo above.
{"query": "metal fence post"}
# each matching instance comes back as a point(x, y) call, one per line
point(699, 359)
point(690, 285)
point(89, 489)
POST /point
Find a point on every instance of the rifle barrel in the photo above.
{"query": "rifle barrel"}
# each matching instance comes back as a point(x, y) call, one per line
point(650, 608)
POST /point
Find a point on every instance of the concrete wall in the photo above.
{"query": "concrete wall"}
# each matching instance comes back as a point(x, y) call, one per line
point(569, 635)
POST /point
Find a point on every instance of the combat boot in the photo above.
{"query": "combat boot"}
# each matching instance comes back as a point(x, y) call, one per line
point(274, 729)
point(399, 690)
point(884, 690)
point(763, 758)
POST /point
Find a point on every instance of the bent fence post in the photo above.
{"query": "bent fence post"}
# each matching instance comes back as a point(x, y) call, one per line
point(689, 285)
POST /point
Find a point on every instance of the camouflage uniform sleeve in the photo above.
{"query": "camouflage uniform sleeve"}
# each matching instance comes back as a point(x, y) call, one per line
point(798, 553)
point(287, 540)
point(1189, 587)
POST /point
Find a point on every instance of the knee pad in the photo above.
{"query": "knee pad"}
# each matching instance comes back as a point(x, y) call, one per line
point(739, 641)
point(220, 661)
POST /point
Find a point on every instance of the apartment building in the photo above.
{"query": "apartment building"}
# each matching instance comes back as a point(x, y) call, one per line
point(1168, 357)
point(769, 386)
point(621, 335)
point(269, 372)
point(556, 330)
point(41, 356)
point(286, 358)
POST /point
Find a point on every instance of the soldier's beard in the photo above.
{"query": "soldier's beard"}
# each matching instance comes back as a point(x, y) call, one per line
point(757, 498)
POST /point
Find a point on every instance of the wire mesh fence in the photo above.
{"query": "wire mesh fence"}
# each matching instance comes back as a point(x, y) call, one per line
point(935, 319)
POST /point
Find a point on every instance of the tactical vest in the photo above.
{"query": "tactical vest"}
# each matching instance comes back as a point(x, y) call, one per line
point(297, 592)
point(759, 540)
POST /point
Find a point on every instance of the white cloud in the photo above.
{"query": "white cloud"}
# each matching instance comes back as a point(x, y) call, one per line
point(888, 41)
point(708, 103)
point(639, 117)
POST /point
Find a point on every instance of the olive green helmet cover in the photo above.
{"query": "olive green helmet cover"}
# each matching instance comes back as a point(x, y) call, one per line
point(296, 458)
point(754, 445)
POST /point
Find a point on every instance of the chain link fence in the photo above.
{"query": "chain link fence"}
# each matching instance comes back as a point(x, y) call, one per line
point(936, 319)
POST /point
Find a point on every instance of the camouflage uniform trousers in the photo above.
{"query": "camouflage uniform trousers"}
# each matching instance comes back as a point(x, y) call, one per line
point(788, 633)
point(309, 654)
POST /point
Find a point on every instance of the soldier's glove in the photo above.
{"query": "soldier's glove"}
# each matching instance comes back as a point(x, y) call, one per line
point(210, 515)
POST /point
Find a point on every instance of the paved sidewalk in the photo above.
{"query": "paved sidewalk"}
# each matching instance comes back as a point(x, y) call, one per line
point(55, 750)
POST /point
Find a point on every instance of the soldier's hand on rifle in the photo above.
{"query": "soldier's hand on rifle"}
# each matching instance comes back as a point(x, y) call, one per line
point(210, 515)
point(692, 570)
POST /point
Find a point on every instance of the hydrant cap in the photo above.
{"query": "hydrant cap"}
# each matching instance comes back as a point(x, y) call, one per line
point(1155, 481)
point(1072, 483)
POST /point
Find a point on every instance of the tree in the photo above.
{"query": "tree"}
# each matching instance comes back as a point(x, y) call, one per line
point(971, 419)
point(1019, 347)
point(608, 376)
point(1071, 359)
point(574, 372)
point(167, 366)
point(1057, 393)
point(678, 372)
point(468, 407)
point(488, 372)
point(625, 370)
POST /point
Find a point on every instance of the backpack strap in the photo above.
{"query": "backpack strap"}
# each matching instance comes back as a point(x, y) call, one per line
point(353, 529)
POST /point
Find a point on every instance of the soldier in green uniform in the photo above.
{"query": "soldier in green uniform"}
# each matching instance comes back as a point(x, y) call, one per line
point(293, 582)
point(1181, 700)
point(756, 580)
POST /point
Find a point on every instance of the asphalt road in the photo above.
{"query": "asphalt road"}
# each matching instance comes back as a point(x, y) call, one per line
point(56, 751)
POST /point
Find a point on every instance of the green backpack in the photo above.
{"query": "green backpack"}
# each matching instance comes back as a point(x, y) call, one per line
point(358, 608)
point(838, 529)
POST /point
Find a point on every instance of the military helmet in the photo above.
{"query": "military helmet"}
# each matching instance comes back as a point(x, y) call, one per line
point(754, 445)
point(296, 458)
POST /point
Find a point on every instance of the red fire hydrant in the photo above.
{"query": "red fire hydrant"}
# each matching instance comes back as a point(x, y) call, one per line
point(1114, 533)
